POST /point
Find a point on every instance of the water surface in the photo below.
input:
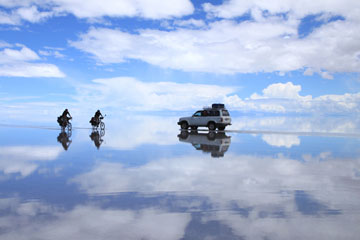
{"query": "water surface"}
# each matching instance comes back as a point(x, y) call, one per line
point(145, 179)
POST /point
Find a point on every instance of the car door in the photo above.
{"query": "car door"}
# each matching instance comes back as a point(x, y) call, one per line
point(196, 118)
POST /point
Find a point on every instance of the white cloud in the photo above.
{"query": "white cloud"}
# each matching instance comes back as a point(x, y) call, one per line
point(9, 19)
point(234, 8)
point(143, 8)
point(130, 94)
point(230, 47)
point(32, 14)
point(285, 97)
point(151, 9)
point(54, 53)
point(281, 90)
point(127, 93)
point(198, 23)
point(9, 55)
point(26, 13)
point(268, 43)
point(19, 61)
point(297, 125)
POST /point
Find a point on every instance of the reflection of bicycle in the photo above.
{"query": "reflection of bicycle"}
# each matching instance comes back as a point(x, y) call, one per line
point(64, 139)
point(97, 123)
point(65, 124)
point(96, 137)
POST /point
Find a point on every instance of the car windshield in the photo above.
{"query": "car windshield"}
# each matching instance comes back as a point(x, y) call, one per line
point(225, 113)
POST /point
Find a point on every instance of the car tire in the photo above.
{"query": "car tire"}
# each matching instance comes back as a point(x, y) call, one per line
point(184, 125)
point(194, 127)
point(184, 134)
point(211, 126)
point(221, 128)
point(211, 136)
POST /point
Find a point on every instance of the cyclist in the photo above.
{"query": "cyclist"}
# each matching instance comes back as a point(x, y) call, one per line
point(64, 118)
point(95, 120)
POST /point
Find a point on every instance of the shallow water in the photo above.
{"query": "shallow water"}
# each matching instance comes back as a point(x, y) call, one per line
point(145, 179)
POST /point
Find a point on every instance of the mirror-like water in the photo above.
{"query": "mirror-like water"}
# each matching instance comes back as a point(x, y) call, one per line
point(145, 179)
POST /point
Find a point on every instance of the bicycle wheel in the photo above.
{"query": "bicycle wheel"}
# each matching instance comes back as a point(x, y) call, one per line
point(102, 125)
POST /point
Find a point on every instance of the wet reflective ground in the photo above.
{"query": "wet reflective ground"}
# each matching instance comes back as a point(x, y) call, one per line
point(146, 179)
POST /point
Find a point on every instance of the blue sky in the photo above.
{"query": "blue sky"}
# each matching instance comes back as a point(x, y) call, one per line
point(149, 55)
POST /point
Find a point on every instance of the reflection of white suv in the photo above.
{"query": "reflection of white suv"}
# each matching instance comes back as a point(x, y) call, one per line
point(215, 117)
point(217, 143)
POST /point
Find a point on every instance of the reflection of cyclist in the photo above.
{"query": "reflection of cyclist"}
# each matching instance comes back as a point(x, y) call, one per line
point(95, 120)
point(95, 136)
point(63, 138)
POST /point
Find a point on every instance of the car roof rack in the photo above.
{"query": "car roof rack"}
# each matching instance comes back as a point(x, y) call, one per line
point(218, 105)
point(215, 106)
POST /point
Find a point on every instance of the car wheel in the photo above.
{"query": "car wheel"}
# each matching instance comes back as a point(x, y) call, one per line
point(211, 126)
point(184, 125)
point(221, 128)
point(184, 134)
point(211, 136)
point(194, 127)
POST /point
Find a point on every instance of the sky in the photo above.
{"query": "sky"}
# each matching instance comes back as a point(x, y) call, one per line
point(271, 57)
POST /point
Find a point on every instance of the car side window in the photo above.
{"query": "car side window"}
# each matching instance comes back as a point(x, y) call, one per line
point(204, 113)
point(197, 114)
point(225, 113)
point(214, 113)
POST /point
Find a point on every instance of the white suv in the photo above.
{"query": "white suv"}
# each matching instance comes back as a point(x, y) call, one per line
point(212, 117)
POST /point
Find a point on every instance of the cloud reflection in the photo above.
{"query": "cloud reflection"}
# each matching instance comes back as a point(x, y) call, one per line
point(24, 160)
point(277, 140)
point(89, 222)
point(129, 132)
point(229, 178)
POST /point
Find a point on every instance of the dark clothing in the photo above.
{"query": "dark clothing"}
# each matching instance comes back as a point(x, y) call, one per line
point(64, 118)
point(98, 114)
point(96, 119)
point(66, 114)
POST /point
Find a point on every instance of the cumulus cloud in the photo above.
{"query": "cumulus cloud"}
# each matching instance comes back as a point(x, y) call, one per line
point(297, 125)
point(131, 94)
point(286, 97)
point(235, 8)
point(229, 47)
point(156, 9)
point(269, 42)
point(281, 90)
point(127, 93)
point(28, 13)
point(20, 61)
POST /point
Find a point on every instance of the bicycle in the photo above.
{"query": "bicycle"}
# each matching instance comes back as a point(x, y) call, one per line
point(65, 124)
point(95, 124)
